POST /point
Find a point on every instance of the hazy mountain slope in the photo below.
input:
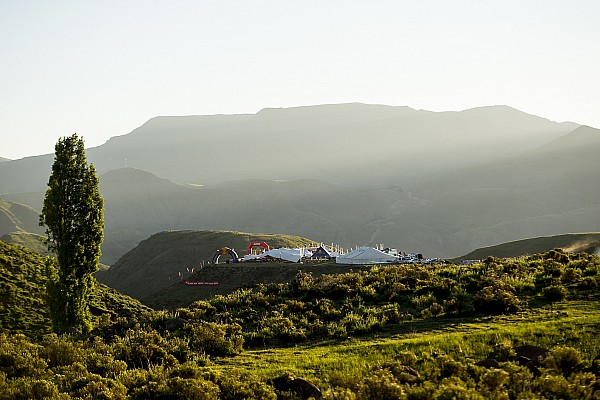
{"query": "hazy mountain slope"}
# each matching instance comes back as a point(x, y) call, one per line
point(574, 242)
point(28, 174)
point(139, 204)
point(338, 143)
point(342, 143)
point(34, 200)
point(18, 217)
point(167, 257)
point(546, 191)
point(30, 241)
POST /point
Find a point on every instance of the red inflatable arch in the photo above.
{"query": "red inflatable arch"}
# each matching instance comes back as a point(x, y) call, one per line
point(257, 244)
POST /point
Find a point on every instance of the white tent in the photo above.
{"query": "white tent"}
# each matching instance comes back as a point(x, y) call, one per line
point(365, 255)
point(293, 255)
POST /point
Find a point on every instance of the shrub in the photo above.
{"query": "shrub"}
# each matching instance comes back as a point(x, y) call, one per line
point(339, 394)
point(191, 389)
point(19, 357)
point(240, 387)
point(564, 360)
point(454, 390)
point(381, 385)
point(496, 300)
point(423, 301)
point(555, 293)
point(215, 339)
point(60, 351)
point(494, 380)
point(30, 389)
point(140, 348)
point(432, 311)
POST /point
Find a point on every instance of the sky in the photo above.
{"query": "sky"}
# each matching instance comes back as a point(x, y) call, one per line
point(102, 68)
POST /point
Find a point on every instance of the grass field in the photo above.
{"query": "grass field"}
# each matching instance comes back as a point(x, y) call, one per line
point(574, 324)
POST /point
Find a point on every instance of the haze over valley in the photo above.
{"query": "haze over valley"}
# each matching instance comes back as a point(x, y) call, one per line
point(439, 183)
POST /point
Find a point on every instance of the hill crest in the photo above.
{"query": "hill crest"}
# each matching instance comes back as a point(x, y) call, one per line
point(168, 256)
point(587, 242)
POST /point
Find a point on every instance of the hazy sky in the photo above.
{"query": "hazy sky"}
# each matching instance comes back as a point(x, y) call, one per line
point(102, 68)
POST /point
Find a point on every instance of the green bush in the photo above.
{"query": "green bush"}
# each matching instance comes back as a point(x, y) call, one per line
point(215, 339)
point(381, 385)
point(496, 299)
point(141, 349)
point(242, 387)
point(19, 357)
point(555, 293)
point(564, 360)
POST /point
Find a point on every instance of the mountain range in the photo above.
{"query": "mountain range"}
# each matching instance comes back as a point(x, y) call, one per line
point(438, 183)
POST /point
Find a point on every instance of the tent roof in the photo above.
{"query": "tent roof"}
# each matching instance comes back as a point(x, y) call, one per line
point(365, 255)
point(322, 252)
point(293, 255)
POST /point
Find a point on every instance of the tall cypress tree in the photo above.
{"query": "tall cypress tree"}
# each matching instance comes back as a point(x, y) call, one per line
point(73, 213)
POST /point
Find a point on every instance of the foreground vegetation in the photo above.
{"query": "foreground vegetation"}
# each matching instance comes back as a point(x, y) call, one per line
point(394, 332)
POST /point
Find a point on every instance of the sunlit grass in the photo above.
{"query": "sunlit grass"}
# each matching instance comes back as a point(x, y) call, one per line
point(574, 324)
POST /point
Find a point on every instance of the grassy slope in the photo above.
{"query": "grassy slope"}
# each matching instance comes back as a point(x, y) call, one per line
point(35, 242)
point(31, 241)
point(18, 217)
point(157, 262)
point(570, 323)
point(22, 288)
point(574, 242)
point(442, 349)
point(443, 342)
point(231, 277)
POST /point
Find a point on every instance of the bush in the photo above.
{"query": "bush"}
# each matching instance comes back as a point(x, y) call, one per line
point(19, 357)
point(381, 385)
point(496, 300)
point(555, 293)
point(215, 339)
point(60, 351)
point(30, 389)
point(141, 349)
point(564, 360)
point(239, 387)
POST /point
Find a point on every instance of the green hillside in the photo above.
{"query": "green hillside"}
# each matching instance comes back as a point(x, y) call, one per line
point(167, 257)
point(22, 290)
point(572, 242)
point(522, 328)
point(15, 217)
point(31, 241)
point(231, 277)
point(36, 243)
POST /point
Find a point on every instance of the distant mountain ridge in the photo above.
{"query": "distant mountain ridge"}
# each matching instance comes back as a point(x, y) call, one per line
point(339, 143)
point(440, 184)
